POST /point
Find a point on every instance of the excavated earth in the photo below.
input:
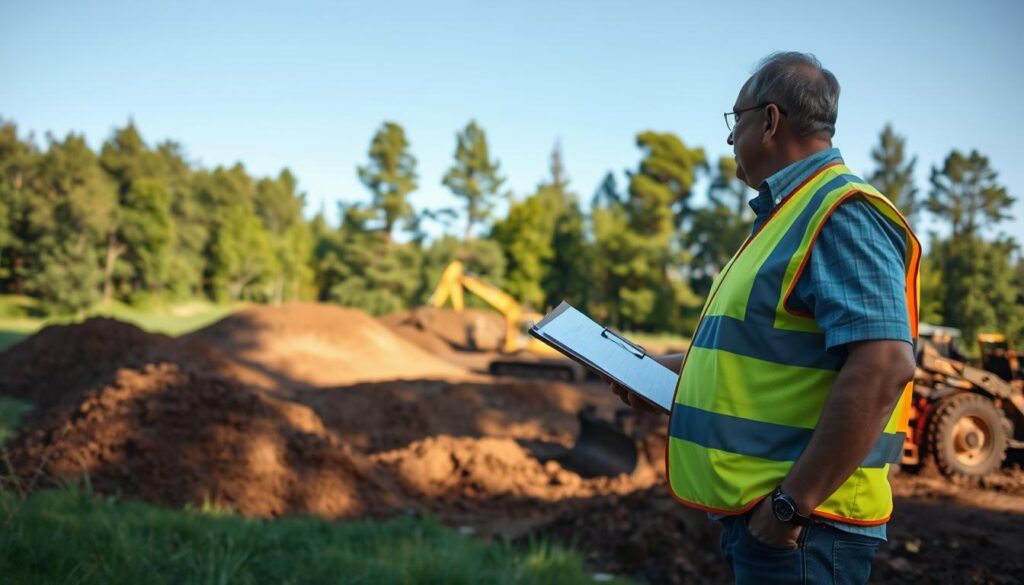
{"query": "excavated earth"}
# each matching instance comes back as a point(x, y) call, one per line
point(309, 409)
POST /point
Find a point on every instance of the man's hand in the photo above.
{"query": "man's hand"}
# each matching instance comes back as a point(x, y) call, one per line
point(628, 397)
point(672, 361)
point(765, 527)
point(856, 411)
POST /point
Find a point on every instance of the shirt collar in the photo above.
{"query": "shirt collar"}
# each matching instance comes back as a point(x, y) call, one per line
point(776, 187)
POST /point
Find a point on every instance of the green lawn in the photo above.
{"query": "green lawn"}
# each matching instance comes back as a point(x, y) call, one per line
point(68, 536)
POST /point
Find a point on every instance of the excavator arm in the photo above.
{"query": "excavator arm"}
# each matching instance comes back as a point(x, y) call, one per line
point(454, 281)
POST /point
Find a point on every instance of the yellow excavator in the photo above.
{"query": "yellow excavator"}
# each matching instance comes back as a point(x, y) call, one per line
point(603, 447)
point(526, 356)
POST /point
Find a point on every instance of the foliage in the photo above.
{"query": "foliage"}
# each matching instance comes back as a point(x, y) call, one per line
point(718, 230)
point(390, 175)
point(141, 224)
point(966, 195)
point(543, 241)
point(893, 176)
point(474, 177)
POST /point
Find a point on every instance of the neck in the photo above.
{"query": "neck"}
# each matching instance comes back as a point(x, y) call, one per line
point(792, 151)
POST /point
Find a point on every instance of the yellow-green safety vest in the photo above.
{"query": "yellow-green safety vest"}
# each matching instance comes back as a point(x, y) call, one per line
point(756, 377)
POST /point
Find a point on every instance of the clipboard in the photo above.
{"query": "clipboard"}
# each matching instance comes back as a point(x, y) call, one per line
point(601, 349)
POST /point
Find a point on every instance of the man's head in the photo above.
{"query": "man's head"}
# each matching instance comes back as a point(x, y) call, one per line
point(784, 112)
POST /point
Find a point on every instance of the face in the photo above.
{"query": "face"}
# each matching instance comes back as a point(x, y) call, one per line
point(745, 138)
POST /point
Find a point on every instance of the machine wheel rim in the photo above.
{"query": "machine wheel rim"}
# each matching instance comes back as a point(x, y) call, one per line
point(972, 440)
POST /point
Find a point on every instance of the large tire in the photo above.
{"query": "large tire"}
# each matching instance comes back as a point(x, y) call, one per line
point(968, 437)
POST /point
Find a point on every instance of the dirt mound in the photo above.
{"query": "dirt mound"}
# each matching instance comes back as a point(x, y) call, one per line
point(384, 416)
point(309, 344)
point(461, 471)
point(645, 535)
point(442, 330)
point(173, 437)
point(60, 362)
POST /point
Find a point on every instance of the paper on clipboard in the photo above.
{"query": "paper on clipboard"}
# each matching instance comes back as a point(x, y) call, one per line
point(577, 336)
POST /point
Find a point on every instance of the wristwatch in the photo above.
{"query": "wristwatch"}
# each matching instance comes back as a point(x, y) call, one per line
point(785, 510)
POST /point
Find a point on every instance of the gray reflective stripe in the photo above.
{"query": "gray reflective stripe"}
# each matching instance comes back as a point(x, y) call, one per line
point(764, 440)
point(780, 346)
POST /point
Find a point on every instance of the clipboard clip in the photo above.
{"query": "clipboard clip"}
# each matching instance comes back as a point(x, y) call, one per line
point(626, 344)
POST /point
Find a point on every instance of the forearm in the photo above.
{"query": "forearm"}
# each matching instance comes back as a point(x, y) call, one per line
point(859, 406)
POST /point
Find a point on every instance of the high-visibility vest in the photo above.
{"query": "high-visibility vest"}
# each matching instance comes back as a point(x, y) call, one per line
point(756, 377)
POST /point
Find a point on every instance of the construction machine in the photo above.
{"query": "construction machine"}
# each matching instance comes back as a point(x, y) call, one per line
point(603, 447)
point(524, 355)
point(963, 417)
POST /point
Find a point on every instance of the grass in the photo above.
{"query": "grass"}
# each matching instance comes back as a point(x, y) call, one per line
point(17, 319)
point(69, 535)
point(11, 411)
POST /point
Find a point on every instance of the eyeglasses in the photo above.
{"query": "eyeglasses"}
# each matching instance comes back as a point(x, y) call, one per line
point(735, 114)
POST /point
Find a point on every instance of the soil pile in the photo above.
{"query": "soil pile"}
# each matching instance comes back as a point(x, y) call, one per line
point(442, 330)
point(309, 344)
point(61, 362)
point(959, 534)
point(645, 535)
point(172, 437)
point(385, 416)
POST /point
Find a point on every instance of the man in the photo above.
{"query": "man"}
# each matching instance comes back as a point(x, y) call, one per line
point(792, 400)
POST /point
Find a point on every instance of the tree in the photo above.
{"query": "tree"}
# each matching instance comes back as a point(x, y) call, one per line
point(75, 210)
point(390, 175)
point(474, 176)
point(242, 256)
point(19, 160)
point(147, 230)
point(660, 190)
point(127, 160)
point(527, 235)
point(652, 291)
point(978, 288)
point(719, 229)
point(279, 206)
point(966, 195)
point(893, 176)
point(368, 271)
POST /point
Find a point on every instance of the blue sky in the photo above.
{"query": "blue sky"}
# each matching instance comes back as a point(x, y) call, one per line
point(305, 84)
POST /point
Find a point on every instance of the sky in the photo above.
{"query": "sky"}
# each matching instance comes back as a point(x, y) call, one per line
point(304, 85)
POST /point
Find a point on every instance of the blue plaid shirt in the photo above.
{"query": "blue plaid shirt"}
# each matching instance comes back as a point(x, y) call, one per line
point(854, 282)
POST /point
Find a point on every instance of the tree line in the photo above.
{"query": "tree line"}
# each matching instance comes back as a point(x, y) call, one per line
point(138, 223)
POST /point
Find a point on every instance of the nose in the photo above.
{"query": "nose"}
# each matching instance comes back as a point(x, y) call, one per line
point(728, 139)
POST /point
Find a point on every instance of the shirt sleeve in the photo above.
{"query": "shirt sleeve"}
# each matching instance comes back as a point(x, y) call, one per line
point(854, 283)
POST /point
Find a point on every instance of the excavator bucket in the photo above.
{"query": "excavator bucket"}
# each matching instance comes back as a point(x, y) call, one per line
point(603, 448)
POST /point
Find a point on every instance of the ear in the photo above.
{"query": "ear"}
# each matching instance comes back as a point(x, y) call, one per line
point(772, 119)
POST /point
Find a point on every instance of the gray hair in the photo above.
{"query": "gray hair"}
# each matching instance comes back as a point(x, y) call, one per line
point(798, 84)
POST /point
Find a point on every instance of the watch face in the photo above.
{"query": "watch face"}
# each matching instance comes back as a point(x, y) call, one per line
point(783, 511)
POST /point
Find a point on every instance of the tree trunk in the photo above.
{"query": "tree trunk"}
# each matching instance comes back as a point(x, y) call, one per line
point(113, 251)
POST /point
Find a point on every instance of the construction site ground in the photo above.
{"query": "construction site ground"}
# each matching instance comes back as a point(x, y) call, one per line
point(320, 410)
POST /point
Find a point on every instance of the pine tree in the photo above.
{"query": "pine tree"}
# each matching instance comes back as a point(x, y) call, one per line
point(474, 177)
point(966, 195)
point(893, 176)
point(390, 175)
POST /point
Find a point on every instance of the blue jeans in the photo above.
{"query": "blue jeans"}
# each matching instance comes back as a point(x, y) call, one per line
point(824, 555)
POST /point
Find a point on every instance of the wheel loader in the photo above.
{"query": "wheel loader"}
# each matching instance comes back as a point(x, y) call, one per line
point(964, 418)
